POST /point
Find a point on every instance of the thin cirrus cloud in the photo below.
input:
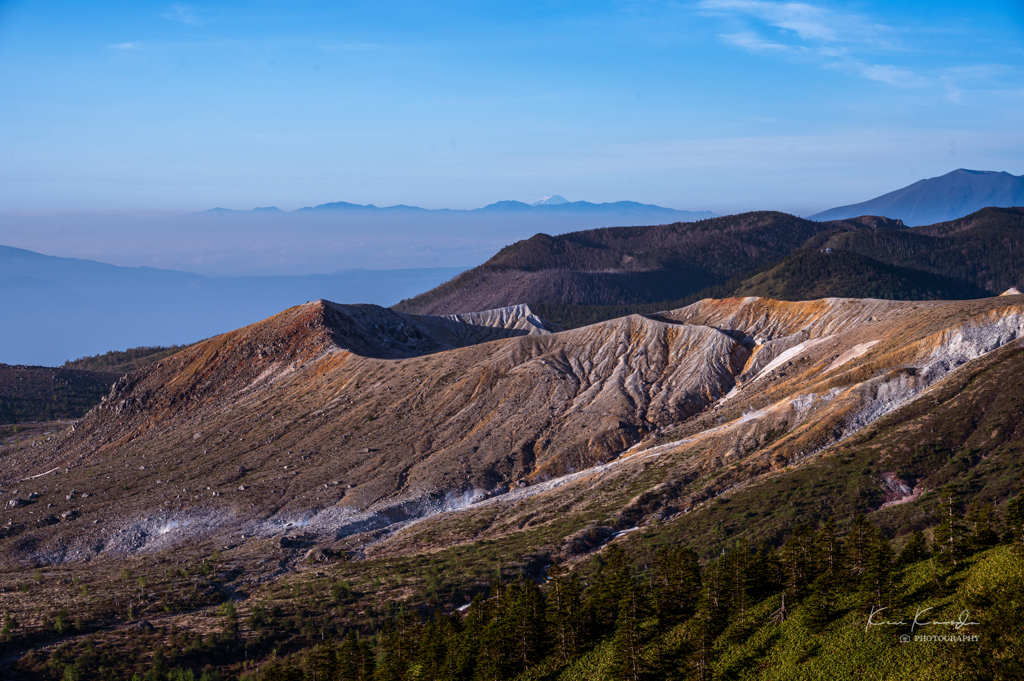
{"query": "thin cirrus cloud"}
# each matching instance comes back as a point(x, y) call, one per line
point(807, 21)
point(183, 14)
point(124, 46)
point(749, 40)
point(835, 40)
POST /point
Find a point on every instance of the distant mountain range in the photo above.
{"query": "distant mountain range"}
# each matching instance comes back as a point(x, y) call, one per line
point(548, 205)
point(56, 309)
point(938, 199)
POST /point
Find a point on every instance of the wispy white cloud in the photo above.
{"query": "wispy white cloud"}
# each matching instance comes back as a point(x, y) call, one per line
point(885, 73)
point(124, 46)
point(807, 21)
point(749, 40)
point(183, 14)
point(835, 40)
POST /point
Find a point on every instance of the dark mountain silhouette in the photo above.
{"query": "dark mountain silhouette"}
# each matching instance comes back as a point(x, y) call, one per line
point(573, 279)
point(939, 199)
point(621, 265)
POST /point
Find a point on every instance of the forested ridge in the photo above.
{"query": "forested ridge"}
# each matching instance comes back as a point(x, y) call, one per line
point(30, 393)
point(587, 277)
point(124, 361)
point(622, 265)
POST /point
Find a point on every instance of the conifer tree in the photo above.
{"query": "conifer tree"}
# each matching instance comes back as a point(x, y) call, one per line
point(466, 648)
point(607, 589)
point(323, 663)
point(565, 612)
point(496, 658)
point(857, 543)
point(1015, 520)
point(739, 568)
point(820, 603)
point(771, 574)
point(982, 525)
point(705, 625)
point(949, 535)
point(528, 625)
point(914, 550)
point(627, 643)
point(398, 648)
point(829, 551)
point(675, 584)
point(798, 563)
point(355, 659)
point(434, 659)
point(876, 580)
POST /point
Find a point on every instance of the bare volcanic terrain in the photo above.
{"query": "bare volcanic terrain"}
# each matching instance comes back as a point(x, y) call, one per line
point(360, 427)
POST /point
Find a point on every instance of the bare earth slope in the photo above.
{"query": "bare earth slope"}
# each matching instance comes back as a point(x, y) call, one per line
point(349, 419)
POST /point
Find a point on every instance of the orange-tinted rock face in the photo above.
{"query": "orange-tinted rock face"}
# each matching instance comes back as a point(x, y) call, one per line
point(347, 418)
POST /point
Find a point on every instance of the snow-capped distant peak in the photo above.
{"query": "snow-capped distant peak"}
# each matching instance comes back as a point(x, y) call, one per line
point(553, 200)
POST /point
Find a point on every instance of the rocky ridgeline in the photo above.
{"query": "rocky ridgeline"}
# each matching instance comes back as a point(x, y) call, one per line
point(336, 420)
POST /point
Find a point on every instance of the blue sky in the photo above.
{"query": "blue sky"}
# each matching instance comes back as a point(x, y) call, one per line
point(722, 105)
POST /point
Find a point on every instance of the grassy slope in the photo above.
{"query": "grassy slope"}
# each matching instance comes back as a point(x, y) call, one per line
point(843, 649)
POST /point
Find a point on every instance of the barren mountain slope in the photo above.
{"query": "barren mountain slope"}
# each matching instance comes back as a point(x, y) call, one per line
point(284, 424)
point(277, 423)
point(820, 372)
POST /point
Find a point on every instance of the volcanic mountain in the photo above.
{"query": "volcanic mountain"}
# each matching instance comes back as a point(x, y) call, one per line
point(939, 199)
point(350, 423)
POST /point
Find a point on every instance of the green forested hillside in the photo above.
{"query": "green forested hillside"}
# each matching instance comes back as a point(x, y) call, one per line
point(985, 249)
point(805, 275)
point(814, 274)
